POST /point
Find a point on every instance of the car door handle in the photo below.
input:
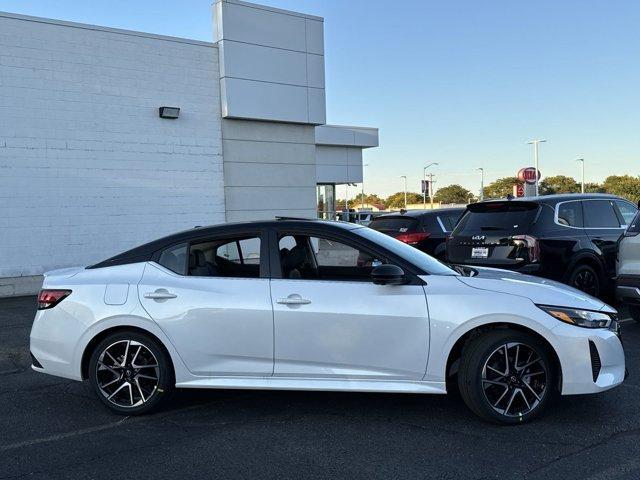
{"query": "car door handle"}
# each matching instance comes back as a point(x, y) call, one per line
point(293, 299)
point(160, 294)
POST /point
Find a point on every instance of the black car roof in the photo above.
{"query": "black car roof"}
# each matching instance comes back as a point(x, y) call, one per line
point(144, 252)
point(420, 213)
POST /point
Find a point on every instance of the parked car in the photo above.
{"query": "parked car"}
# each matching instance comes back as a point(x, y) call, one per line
point(426, 230)
point(628, 268)
point(570, 238)
point(313, 305)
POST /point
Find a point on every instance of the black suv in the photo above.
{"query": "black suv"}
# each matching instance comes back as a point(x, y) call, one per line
point(426, 230)
point(571, 238)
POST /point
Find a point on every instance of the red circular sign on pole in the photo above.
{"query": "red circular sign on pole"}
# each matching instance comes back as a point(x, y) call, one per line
point(528, 175)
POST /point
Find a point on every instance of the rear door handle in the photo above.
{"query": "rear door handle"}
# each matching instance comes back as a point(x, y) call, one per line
point(293, 299)
point(160, 294)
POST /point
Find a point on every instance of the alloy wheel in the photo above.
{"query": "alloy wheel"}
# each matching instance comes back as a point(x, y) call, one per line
point(127, 373)
point(514, 379)
point(586, 281)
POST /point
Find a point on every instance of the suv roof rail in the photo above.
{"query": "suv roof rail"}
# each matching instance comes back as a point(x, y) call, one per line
point(296, 218)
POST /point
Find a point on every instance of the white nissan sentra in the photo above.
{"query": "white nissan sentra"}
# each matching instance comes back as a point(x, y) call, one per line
point(310, 305)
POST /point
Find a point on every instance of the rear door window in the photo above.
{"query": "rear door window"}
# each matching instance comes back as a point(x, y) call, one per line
point(600, 214)
point(570, 214)
point(174, 258)
point(394, 224)
point(512, 218)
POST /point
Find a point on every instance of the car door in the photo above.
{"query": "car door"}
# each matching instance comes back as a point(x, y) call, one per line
point(211, 297)
point(604, 228)
point(331, 321)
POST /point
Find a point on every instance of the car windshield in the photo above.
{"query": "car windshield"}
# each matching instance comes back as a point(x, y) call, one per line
point(420, 259)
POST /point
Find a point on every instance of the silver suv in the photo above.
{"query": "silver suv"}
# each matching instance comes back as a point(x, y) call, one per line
point(628, 268)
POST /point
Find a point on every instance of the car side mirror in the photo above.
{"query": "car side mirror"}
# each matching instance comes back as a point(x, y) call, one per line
point(388, 275)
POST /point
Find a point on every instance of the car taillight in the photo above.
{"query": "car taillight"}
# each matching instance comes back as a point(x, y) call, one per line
point(531, 244)
point(413, 238)
point(50, 298)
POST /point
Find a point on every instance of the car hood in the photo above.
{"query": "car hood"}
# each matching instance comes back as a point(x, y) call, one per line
point(539, 290)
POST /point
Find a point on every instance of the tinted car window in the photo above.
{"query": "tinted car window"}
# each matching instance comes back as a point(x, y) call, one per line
point(394, 224)
point(599, 214)
point(175, 258)
point(627, 211)
point(449, 220)
point(512, 218)
point(570, 214)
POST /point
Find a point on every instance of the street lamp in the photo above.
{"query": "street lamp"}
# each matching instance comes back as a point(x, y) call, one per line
point(405, 190)
point(362, 200)
point(427, 185)
point(535, 158)
point(481, 183)
point(581, 160)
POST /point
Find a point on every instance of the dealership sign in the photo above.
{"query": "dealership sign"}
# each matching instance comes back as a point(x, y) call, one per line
point(528, 175)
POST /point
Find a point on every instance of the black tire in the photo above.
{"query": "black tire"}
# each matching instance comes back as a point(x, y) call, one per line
point(477, 390)
point(634, 312)
point(145, 394)
point(585, 278)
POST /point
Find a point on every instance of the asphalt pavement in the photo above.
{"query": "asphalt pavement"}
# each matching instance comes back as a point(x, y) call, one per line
point(54, 428)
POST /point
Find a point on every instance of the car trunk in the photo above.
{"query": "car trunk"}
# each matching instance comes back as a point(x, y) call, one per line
point(495, 234)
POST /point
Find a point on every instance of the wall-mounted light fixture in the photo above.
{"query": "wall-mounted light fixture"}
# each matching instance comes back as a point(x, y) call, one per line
point(169, 112)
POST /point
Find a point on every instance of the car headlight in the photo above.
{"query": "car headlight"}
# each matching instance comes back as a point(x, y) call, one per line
point(581, 318)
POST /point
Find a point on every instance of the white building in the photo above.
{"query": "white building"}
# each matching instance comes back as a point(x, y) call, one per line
point(88, 168)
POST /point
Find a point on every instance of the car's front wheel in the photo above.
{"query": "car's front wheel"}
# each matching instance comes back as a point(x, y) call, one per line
point(130, 372)
point(506, 376)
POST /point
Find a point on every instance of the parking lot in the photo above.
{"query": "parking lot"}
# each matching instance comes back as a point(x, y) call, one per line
point(55, 428)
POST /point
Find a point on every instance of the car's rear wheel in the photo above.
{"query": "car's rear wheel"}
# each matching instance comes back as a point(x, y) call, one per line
point(506, 376)
point(130, 373)
point(586, 279)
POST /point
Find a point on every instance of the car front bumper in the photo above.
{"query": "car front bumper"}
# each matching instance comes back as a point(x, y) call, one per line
point(592, 360)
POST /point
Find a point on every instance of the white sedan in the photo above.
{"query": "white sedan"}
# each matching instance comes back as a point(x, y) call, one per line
point(311, 305)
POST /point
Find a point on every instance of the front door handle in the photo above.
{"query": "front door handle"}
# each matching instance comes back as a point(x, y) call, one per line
point(293, 299)
point(160, 294)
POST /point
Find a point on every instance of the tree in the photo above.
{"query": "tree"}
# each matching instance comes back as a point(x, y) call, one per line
point(501, 187)
point(624, 186)
point(591, 187)
point(452, 194)
point(397, 199)
point(558, 184)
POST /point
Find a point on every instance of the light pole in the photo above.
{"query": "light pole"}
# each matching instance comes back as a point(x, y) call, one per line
point(535, 158)
point(424, 177)
point(481, 183)
point(362, 200)
point(405, 190)
point(581, 160)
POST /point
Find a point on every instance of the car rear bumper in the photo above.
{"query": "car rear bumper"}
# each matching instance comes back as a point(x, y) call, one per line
point(628, 289)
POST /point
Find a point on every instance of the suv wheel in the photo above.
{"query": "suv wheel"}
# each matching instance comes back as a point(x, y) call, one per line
point(506, 376)
point(130, 373)
point(585, 278)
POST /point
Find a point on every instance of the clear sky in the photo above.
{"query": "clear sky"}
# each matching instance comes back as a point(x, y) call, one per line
point(461, 83)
